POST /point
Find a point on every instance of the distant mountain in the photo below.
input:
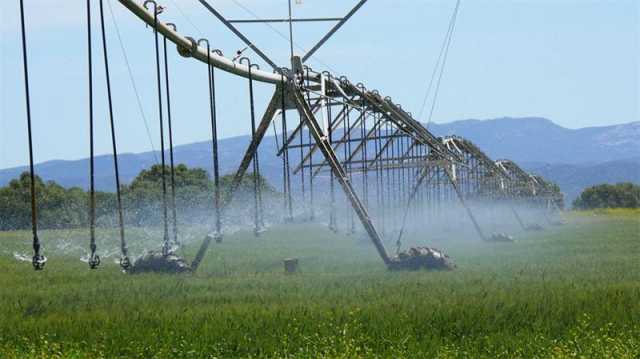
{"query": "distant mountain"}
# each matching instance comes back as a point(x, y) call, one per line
point(535, 139)
point(573, 179)
point(76, 172)
point(572, 158)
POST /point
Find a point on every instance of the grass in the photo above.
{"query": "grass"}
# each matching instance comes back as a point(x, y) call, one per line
point(568, 292)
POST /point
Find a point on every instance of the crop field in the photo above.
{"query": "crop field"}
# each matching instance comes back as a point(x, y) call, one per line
point(568, 291)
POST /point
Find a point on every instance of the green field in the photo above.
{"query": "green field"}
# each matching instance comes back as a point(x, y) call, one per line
point(568, 291)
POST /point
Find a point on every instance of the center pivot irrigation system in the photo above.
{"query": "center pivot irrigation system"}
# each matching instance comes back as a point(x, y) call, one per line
point(389, 167)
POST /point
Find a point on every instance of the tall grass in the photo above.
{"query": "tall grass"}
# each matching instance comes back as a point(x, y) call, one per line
point(570, 291)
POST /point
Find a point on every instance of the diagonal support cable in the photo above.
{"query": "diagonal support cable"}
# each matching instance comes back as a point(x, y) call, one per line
point(333, 30)
point(239, 34)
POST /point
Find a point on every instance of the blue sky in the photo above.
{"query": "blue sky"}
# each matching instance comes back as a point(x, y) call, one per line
point(575, 62)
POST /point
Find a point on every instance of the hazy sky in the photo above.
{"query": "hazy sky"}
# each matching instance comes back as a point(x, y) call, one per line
point(575, 62)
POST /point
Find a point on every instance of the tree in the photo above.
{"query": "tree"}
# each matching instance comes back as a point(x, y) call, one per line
point(621, 195)
point(15, 208)
point(59, 207)
point(143, 197)
point(194, 194)
point(56, 206)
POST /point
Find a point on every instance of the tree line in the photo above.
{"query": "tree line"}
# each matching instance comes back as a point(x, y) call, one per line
point(60, 208)
point(621, 195)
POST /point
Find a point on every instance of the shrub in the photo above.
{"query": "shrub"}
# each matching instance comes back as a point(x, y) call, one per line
point(621, 195)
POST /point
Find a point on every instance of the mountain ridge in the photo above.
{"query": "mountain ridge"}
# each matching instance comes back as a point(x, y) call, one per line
point(536, 139)
point(563, 155)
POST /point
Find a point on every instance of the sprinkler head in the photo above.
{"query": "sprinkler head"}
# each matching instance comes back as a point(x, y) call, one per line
point(38, 261)
point(166, 249)
point(94, 261)
point(125, 263)
point(257, 231)
point(215, 235)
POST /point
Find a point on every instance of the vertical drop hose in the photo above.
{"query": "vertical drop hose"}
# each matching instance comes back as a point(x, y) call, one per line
point(38, 259)
point(312, 213)
point(124, 257)
point(166, 247)
point(94, 260)
point(286, 175)
point(214, 144)
point(174, 212)
point(258, 220)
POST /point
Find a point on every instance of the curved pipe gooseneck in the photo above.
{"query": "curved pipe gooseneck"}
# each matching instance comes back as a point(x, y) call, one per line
point(196, 51)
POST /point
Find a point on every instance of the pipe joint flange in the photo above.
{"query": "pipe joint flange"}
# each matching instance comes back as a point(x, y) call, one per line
point(188, 52)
